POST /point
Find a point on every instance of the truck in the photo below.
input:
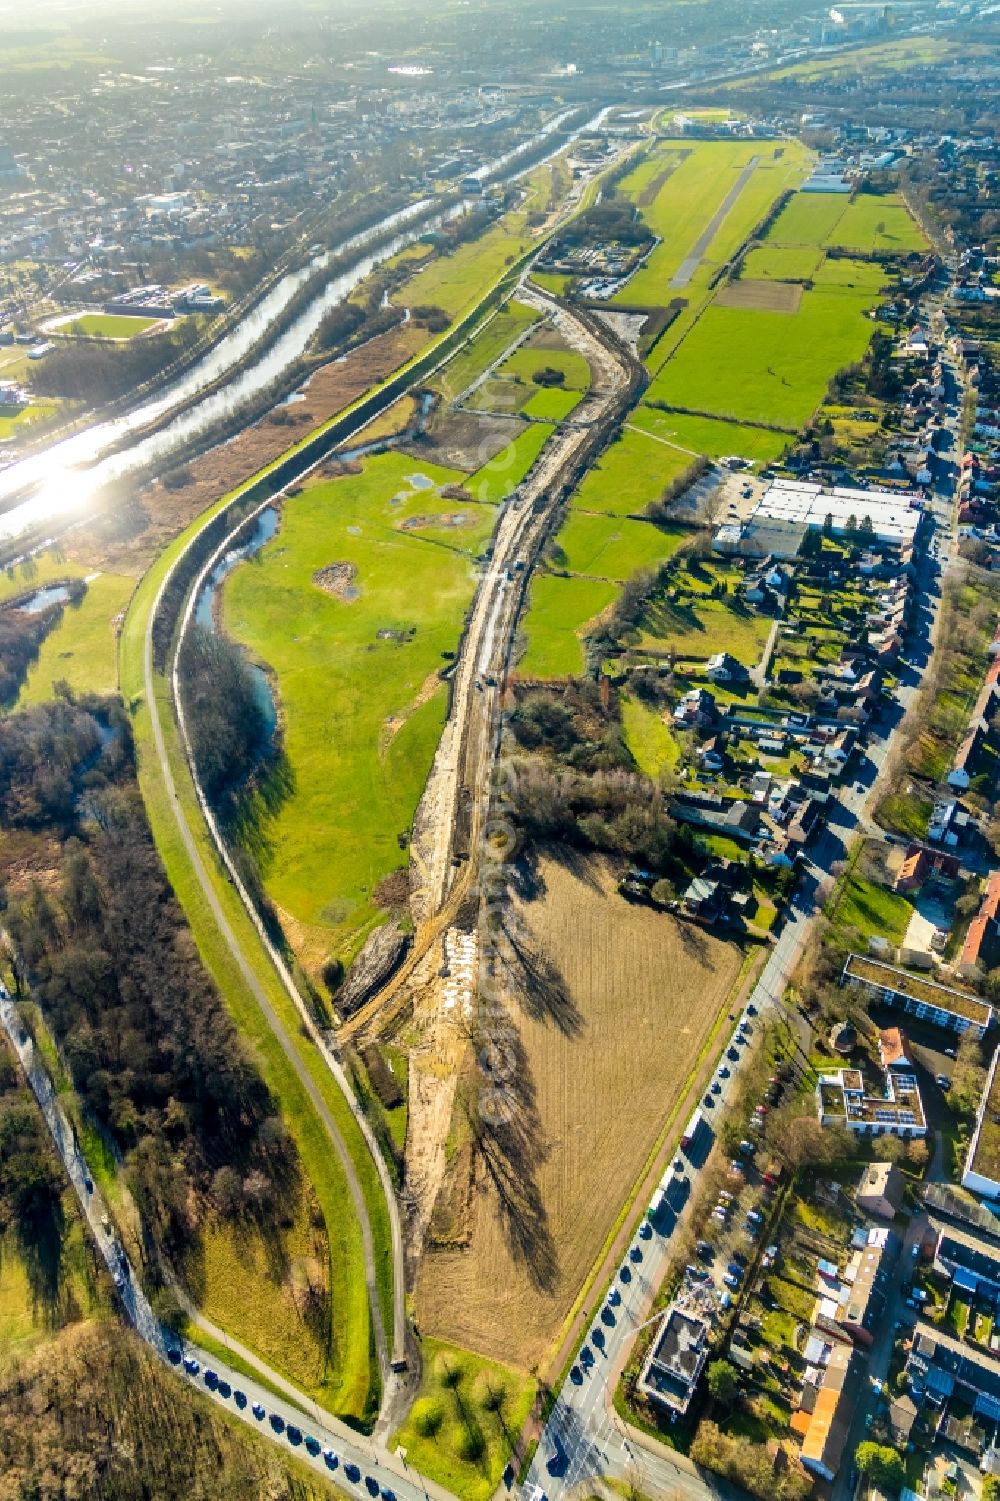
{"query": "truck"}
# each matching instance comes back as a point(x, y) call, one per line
point(693, 1129)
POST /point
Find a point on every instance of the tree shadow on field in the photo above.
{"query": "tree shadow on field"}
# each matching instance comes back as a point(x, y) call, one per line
point(536, 982)
point(511, 1143)
point(252, 812)
point(692, 939)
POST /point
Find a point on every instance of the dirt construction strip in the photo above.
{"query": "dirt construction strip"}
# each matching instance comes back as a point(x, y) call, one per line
point(688, 267)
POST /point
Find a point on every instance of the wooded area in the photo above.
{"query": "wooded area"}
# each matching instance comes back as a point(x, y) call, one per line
point(107, 955)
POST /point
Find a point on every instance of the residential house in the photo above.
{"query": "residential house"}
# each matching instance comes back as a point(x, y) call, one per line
point(925, 999)
point(880, 1191)
point(940, 1368)
point(981, 950)
point(830, 1422)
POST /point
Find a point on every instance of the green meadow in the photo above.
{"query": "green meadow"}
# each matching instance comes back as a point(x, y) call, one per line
point(613, 547)
point(83, 648)
point(356, 678)
point(630, 473)
point(559, 611)
point(767, 367)
point(710, 435)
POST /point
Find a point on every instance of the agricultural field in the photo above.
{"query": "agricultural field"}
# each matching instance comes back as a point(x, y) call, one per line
point(613, 547)
point(560, 611)
point(631, 472)
point(399, 575)
point(628, 1014)
point(466, 1413)
point(743, 363)
point(82, 649)
point(110, 325)
point(710, 436)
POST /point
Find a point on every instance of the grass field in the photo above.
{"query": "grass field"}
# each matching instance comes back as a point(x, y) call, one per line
point(648, 737)
point(26, 1324)
point(710, 435)
point(466, 1413)
point(82, 649)
point(613, 547)
point(110, 325)
point(505, 471)
point(15, 423)
point(767, 367)
point(871, 909)
point(551, 405)
point(630, 473)
point(702, 629)
point(836, 221)
point(526, 362)
point(283, 1267)
point(358, 760)
point(782, 262)
point(807, 219)
point(559, 611)
point(351, 1385)
point(632, 1001)
point(877, 223)
point(485, 347)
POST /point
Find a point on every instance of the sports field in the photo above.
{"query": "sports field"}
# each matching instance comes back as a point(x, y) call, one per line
point(606, 1052)
point(111, 325)
point(357, 681)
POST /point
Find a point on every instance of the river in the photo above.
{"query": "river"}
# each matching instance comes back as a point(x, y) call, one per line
point(60, 480)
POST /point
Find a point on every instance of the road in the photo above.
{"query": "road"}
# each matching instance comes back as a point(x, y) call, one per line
point(583, 1436)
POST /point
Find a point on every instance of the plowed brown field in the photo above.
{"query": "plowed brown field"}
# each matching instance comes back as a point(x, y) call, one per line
point(620, 1005)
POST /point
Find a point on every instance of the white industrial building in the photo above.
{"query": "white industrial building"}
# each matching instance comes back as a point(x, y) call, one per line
point(895, 515)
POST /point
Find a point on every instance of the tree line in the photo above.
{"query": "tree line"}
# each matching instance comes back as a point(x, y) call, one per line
point(104, 950)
